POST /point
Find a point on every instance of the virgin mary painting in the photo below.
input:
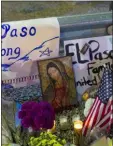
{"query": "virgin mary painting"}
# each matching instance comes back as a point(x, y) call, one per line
point(60, 91)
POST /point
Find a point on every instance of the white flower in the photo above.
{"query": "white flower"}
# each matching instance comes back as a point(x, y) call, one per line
point(86, 112)
point(88, 105)
point(89, 102)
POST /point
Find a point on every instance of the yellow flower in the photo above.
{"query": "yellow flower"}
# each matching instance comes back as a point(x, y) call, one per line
point(85, 96)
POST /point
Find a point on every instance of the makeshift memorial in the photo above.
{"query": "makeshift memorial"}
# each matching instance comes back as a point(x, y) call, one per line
point(102, 106)
point(57, 82)
point(33, 121)
point(89, 66)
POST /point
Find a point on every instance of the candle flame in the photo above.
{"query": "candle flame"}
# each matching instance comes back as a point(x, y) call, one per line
point(78, 125)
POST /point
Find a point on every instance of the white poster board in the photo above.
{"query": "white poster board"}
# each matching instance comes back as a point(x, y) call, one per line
point(88, 67)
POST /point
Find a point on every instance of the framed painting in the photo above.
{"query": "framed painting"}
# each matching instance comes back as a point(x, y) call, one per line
point(57, 82)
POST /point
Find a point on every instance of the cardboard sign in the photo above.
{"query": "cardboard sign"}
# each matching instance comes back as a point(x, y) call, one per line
point(88, 67)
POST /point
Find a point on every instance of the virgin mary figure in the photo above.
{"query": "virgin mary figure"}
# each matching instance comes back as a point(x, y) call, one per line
point(61, 91)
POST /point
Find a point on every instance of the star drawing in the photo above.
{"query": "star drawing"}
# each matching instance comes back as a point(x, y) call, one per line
point(46, 52)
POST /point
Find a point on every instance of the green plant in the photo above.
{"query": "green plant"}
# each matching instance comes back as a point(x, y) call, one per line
point(47, 139)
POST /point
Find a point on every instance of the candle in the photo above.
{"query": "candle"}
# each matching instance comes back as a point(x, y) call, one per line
point(63, 123)
point(75, 118)
point(53, 129)
point(78, 126)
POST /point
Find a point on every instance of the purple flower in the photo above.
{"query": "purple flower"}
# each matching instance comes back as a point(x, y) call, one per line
point(21, 114)
point(37, 115)
point(48, 115)
point(28, 105)
point(26, 122)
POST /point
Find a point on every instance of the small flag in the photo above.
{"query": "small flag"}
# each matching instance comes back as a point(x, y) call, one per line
point(101, 112)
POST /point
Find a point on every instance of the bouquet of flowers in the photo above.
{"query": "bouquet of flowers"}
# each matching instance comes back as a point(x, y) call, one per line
point(37, 115)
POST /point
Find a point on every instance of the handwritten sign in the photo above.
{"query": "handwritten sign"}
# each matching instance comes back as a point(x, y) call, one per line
point(88, 67)
point(29, 40)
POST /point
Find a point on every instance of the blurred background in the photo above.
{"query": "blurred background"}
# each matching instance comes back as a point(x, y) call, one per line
point(22, 10)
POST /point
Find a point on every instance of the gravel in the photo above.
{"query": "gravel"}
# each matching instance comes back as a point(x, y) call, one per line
point(31, 92)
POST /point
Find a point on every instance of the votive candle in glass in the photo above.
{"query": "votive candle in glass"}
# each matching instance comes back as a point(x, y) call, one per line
point(78, 125)
point(63, 122)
